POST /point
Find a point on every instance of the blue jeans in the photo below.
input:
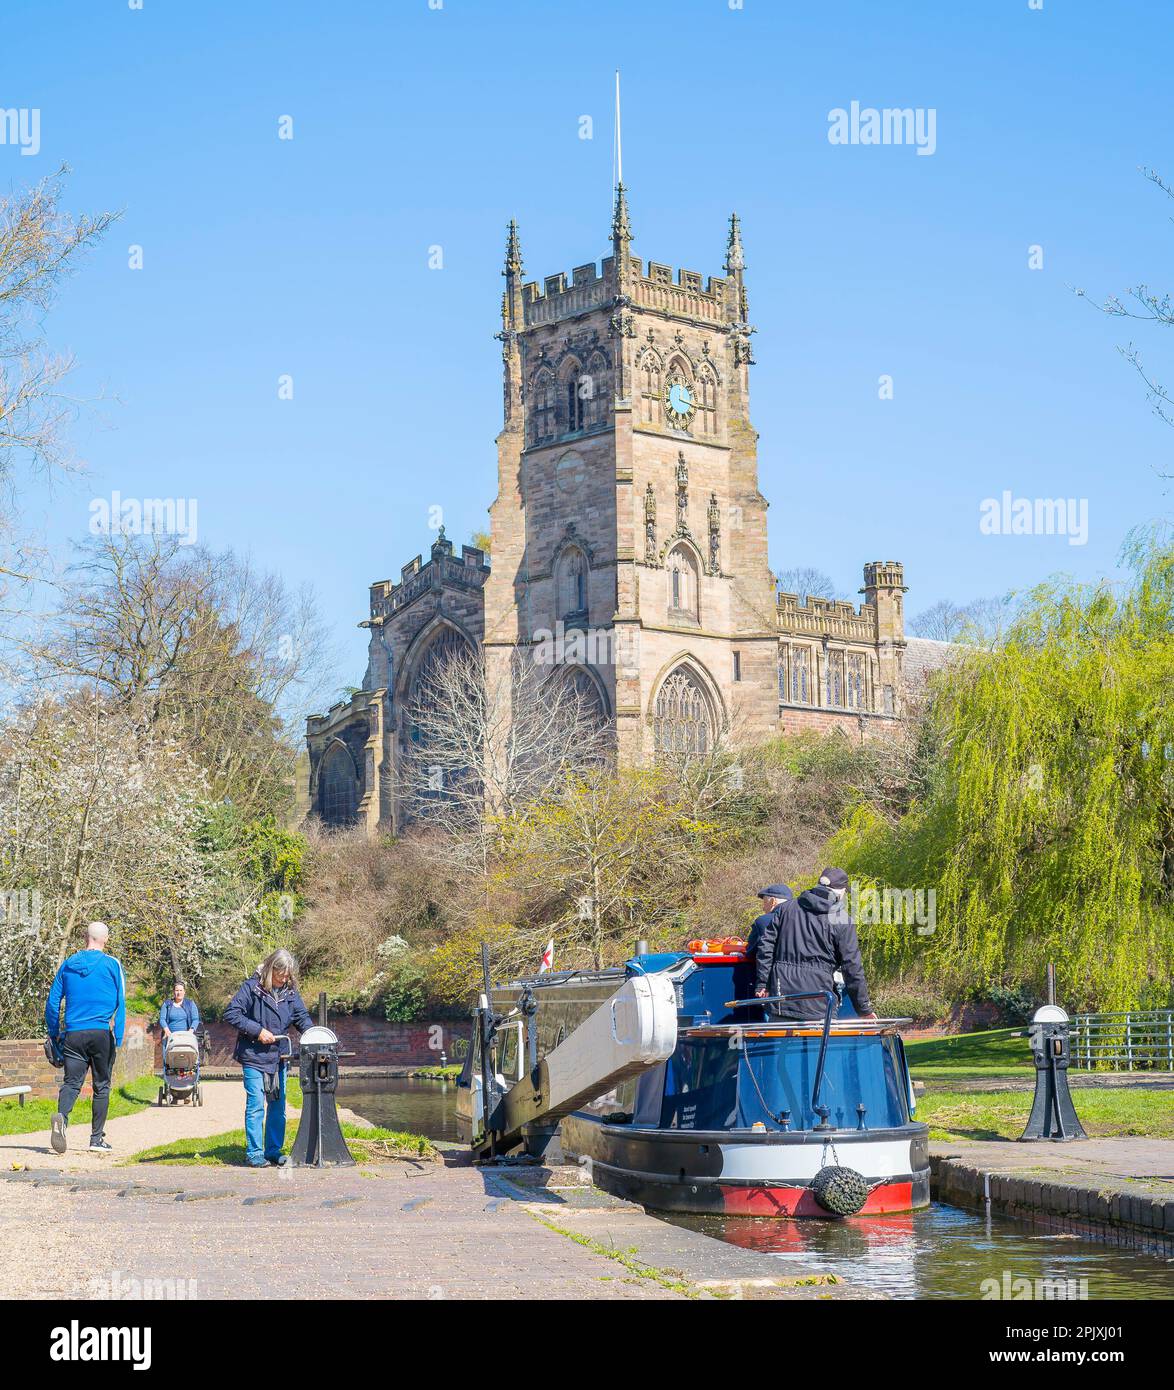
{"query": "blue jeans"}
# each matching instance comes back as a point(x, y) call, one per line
point(264, 1120)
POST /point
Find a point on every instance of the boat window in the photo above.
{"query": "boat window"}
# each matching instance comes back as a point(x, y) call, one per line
point(779, 1073)
point(701, 1085)
point(508, 1051)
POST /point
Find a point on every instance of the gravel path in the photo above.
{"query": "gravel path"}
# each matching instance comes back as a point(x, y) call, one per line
point(223, 1109)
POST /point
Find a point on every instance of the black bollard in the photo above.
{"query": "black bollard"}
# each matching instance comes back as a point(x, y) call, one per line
point(319, 1142)
point(1053, 1116)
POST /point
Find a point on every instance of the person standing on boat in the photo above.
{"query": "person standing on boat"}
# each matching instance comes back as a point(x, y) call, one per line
point(803, 944)
point(773, 900)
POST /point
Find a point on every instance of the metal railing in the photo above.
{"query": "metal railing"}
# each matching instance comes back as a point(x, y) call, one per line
point(1142, 1040)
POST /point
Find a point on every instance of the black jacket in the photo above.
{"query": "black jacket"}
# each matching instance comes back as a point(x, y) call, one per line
point(801, 945)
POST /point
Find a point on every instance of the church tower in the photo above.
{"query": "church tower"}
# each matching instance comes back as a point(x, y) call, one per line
point(628, 506)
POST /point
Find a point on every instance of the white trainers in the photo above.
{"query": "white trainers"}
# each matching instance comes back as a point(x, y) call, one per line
point(100, 1146)
point(57, 1134)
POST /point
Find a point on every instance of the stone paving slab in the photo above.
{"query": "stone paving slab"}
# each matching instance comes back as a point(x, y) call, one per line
point(407, 1229)
point(1120, 1191)
point(340, 1233)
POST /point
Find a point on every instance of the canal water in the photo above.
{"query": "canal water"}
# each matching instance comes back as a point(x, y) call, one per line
point(942, 1252)
point(420, 1107)
point(947, 1252)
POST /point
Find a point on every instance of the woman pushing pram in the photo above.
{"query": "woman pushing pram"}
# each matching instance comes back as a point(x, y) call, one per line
point(179, 1022)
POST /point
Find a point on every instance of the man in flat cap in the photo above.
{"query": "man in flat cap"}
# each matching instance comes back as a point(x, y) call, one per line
point(803, 944)
point(774, 900)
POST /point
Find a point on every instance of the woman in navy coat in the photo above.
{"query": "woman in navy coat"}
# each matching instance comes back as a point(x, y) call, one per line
point(261, 1011)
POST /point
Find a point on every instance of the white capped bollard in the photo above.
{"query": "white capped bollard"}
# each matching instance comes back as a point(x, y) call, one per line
point(1053, 1116)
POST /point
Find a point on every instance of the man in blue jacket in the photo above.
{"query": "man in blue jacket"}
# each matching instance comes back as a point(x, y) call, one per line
point(93, 988)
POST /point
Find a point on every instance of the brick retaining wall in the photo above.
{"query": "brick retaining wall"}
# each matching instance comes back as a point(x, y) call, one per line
point(23, 1062)
point(375, 1042)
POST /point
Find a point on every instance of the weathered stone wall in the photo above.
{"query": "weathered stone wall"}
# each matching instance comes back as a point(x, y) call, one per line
point(857, 727)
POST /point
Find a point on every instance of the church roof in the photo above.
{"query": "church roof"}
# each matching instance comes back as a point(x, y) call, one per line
point(924, 656)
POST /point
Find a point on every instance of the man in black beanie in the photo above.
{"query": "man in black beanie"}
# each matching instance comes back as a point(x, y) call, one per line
point(805, 944)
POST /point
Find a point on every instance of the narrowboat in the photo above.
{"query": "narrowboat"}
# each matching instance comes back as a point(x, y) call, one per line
point(681, 1092)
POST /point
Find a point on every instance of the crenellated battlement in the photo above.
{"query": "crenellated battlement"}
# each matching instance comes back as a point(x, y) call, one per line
point(418, 576)
point(884, 574)
point(682, 292)
point(819, 616)
point(589, 289)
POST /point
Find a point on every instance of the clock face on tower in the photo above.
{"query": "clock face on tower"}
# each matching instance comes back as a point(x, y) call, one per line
point(679, 404)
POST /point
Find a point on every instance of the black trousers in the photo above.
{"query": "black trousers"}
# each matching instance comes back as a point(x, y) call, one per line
point(90, 1050)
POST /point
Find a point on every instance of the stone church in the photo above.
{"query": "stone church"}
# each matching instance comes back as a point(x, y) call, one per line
point(627, 507)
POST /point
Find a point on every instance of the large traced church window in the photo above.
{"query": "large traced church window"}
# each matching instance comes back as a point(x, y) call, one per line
point(572, 585)
point(684, 580)
point(682, 720)
point(580, 687)
point(433, 681)
point(338, 797)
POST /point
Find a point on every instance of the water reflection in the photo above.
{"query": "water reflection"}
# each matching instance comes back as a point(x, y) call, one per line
point(420, 1107)
point(943, 1252)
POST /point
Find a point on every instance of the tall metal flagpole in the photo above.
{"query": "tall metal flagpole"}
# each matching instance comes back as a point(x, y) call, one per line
point(619, 152)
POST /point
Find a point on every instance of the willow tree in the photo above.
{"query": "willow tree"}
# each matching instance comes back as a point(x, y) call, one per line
point(1047, 830)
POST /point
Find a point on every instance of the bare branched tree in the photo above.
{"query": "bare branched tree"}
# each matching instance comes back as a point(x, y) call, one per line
point(488, 741)
point(220, 657)
point(979, 621)
point(1146, 306)
point(807, 582)
point(39, 245)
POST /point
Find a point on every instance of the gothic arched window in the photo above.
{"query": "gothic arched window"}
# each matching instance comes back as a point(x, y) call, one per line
point(444, 687)
point(542, 413)
point(595, 381)
point(684, 581)
point(572, 585)
point(682, 719)
point(579, 685)
point(576, 392)
point(338, 788)
point(447, 645)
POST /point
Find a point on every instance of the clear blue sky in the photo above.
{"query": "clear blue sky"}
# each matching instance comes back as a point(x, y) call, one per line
point(415, 127)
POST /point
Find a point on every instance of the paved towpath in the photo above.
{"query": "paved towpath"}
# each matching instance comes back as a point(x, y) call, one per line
point(223, 1110)
point(83, 1226)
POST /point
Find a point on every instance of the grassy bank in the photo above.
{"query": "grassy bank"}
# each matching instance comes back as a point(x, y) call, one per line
point(998, 1052)
point(367, 1145)
point(37, 1114)
point(1002, 1114)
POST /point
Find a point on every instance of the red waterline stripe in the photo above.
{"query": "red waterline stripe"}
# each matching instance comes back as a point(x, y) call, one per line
point(798, 1201)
